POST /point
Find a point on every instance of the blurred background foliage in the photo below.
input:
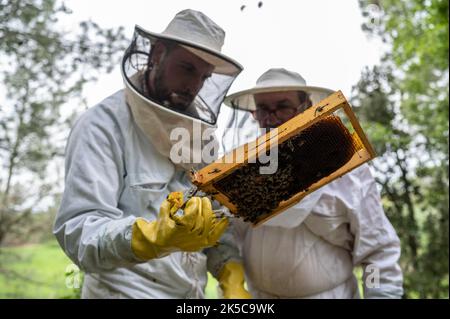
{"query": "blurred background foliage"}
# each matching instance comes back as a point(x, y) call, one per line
point(402, 104)
point(42, 67)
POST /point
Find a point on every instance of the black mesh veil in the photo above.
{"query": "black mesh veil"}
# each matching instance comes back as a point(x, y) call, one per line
point(206, 105)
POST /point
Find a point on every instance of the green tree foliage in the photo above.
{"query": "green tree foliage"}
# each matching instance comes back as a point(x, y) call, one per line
point(403, 104)
point(42, 67)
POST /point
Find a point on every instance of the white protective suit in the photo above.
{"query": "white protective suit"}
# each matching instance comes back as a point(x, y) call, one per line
point(119, 167)
point(114, 175)
point(310, 250)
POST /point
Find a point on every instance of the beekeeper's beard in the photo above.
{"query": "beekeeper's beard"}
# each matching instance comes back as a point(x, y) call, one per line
point(158, 122)
point(179, 100)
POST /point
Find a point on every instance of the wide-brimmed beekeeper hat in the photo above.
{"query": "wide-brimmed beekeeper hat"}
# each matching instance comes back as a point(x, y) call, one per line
point(275, 80)
point(200, 35)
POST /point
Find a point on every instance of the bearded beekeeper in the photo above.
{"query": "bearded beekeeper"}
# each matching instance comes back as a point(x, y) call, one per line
point(114, 220)
point(311, 249)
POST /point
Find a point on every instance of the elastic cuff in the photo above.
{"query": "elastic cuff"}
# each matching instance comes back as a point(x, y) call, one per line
point(115, 244)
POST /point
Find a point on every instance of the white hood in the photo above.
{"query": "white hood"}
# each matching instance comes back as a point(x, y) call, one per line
point(158, 122)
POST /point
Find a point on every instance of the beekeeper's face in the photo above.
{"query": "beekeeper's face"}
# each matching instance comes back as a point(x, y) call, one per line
point(275, 108)
point(177, 76)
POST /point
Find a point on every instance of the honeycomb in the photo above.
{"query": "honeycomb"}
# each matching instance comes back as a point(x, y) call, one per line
point(303, 160)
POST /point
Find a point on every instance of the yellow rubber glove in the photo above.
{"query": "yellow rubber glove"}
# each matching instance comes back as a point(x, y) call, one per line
point(231, 281)
point(197, 228)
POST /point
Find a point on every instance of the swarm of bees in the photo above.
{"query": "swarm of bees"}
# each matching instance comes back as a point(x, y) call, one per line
point(303, 160)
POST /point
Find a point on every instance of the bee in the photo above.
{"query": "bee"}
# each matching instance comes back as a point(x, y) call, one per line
point(215, 170)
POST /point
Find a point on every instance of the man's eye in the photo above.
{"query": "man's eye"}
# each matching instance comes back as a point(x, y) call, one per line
point(187, 68)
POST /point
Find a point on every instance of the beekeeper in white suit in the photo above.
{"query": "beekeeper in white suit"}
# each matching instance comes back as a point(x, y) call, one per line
point(114, 220)
point(311, 250)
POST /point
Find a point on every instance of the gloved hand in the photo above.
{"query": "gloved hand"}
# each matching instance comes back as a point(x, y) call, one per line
point(231, 281)
point(196, 228)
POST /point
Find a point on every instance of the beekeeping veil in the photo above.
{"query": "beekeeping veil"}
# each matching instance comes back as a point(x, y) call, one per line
point(275, 80)
point(280, 80)
point(242, 103)
point(195, 32)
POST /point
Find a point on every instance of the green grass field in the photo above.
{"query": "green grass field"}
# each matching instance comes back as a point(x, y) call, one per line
point(42, 270)
point(42, 273)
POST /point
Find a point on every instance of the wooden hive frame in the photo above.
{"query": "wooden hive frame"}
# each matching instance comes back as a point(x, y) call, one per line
point(205, 178)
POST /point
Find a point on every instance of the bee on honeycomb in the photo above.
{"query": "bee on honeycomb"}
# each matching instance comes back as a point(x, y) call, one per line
point(303, 160)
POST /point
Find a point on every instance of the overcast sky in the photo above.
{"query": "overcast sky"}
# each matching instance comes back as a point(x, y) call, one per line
point(320, 39)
